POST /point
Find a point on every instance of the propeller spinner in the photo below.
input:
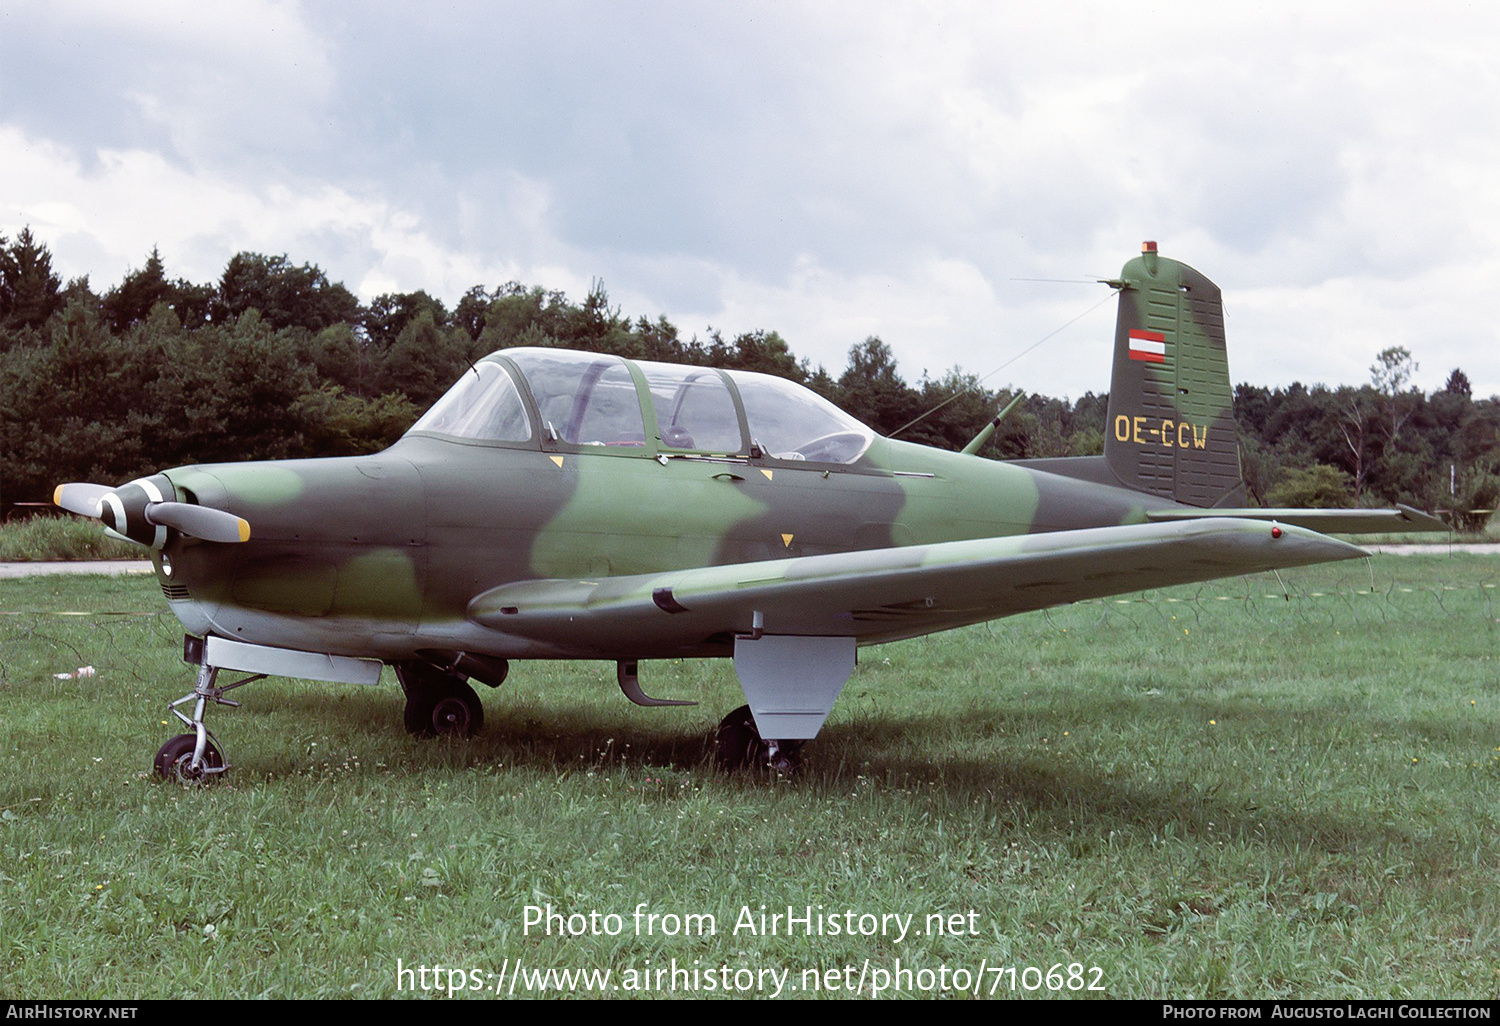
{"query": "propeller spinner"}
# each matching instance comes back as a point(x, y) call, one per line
point(141, 511)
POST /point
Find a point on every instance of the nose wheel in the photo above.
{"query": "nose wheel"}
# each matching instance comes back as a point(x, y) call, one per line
point(174, 761)
point(739, 746)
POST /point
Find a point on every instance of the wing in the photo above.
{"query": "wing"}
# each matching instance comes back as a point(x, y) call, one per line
point(886, 594)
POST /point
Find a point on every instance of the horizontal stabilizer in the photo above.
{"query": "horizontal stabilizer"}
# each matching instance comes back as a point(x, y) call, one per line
point(1328, 521)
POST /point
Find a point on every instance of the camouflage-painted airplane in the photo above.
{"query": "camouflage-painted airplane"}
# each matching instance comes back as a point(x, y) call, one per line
point(569, 505)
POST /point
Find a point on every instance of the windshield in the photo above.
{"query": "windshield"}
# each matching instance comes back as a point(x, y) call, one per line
point(483, 405)
point(790, 422)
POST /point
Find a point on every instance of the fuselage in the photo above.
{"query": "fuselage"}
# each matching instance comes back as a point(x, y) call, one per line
point(381, 555)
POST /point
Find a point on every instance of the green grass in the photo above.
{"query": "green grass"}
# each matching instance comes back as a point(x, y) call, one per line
point(1206, 792)
point(48, 537)
point(1488, 535)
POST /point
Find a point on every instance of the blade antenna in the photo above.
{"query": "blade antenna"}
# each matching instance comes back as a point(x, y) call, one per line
point(1064, 281)
point(969, 388)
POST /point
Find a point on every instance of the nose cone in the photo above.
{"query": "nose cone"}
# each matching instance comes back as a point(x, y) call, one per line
point(332, 541)
point(123, 510)
point(363, 500)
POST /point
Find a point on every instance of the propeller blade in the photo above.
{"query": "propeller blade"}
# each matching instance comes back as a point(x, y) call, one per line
point(82, 499)
point(213, 525)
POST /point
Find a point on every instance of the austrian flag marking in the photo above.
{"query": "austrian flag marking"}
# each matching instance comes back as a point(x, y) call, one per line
point(1150, 346)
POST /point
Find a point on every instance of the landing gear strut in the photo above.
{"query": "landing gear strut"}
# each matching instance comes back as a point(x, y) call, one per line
point(738, 745)
point(196, 758)
point(438, 703)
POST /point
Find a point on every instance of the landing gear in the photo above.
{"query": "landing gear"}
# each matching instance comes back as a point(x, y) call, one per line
point(437, 703)
point(738, 746)
point(196, 758)
point(174, 761)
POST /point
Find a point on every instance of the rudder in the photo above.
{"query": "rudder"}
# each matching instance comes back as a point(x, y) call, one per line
point(1171, 429)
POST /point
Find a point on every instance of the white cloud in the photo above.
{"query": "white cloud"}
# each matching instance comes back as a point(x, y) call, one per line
point(829, 171)
point(102, 215)
point(945, 313)
point(273, 30)
point(236, 89)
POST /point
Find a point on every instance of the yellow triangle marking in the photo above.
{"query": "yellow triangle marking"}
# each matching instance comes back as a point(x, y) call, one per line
point(786, 541)
point(767, 473)
point(556, 459)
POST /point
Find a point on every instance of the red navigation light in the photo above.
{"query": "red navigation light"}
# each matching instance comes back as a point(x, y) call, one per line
point(1148, 247)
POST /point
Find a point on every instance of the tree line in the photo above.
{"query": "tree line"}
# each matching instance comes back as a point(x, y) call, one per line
point(275, 360)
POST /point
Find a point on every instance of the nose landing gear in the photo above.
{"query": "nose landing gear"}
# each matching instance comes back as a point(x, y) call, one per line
point(196, 758)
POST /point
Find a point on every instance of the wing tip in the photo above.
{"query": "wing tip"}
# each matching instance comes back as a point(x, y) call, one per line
point(1323, 548)
point(1421, 520)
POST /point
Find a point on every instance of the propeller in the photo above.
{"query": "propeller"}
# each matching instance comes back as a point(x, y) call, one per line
point(141, 511)
point(82, 499)
point(204, 522)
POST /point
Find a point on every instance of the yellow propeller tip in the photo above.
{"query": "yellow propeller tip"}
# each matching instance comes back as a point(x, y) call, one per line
point(244, 530)
point(57, 495)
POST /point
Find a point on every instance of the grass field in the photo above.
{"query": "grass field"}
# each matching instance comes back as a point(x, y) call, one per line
point(1204, 792)
point(1437, 539)
point(61, 537)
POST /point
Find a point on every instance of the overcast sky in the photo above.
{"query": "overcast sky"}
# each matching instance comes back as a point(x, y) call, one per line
point(827, 170)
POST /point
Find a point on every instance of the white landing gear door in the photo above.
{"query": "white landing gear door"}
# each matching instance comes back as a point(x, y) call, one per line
point(791, 683)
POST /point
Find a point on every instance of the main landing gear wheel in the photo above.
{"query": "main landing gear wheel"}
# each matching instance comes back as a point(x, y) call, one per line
point(174, 760)
point(439, 705)
point(739, 746)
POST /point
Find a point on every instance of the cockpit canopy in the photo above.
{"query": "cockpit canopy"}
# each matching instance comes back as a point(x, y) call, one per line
point(574, 402)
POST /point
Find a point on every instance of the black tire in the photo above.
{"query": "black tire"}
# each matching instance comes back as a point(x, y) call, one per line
point(173, 760)
point(456, 712)
point(738, 746)
point(438, 705)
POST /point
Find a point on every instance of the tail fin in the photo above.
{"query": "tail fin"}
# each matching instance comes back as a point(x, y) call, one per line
point(1171, 428)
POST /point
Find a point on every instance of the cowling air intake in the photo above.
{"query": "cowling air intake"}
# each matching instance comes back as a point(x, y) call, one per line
point(144, 510)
